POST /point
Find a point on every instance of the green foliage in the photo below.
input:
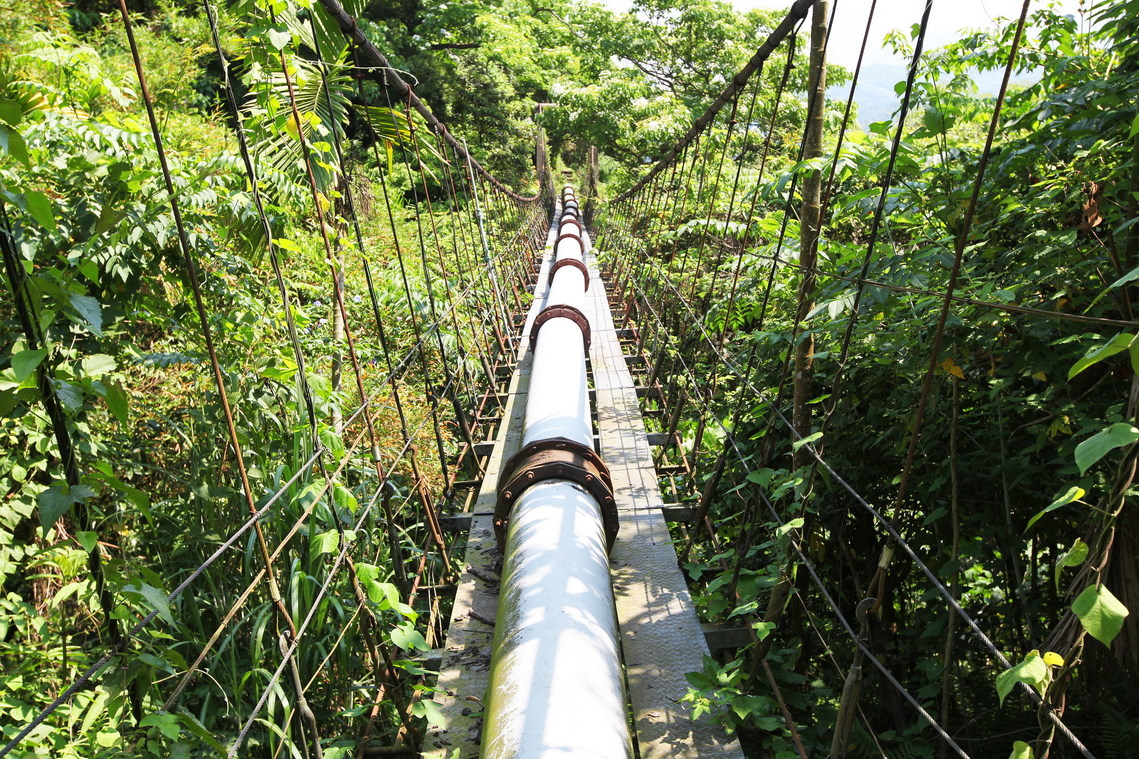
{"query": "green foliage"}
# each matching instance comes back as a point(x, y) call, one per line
point(1032, 671)
point(1103, 442)
point(1021, 750)
point(1100, 613)
point(1043, 404)
point(1041, 409)
point(114, 337)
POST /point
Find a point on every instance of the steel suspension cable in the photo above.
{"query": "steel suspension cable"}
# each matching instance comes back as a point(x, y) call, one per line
point(879, 210)
point(797, 13)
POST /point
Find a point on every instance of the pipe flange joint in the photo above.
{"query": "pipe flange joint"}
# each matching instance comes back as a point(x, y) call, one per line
point(570, 236)
point(560, 310)
point(555, 458)
point(575, 264)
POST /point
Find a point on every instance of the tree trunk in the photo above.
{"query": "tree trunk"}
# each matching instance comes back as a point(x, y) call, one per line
point(809, 225)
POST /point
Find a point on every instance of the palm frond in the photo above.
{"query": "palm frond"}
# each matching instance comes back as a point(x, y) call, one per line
point(392, 129)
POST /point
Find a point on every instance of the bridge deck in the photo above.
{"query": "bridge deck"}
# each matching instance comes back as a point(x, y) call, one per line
point(661, 637)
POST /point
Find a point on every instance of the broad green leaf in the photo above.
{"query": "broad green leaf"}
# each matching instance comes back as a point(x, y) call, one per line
point(333, 442)
point(1134, 127)
point(94, 711)
point(1074, 494)
point(107, 738)
point(1130, 276)
point(386, 596)
point(763, 629)
point(157, 600)
point(1032, 671)
point(1100, 613)
point(383, 593)
point(1117, 344)
point(25, 362)
point(98, 364)
point(741, 707)
point(1075, 556)
point(326, 542)
point(746, 608)
point(13, 144)
point(1100, 444)
point(117, 402)
point(936, 122)
point(407, 637)
point(794, 524)
point(1020, 750)
point(284, 368)
point(89, 540)
point(366, 573)
point(90, 311)
point(804, 441)
point(344, 498)
point(39, 207)
point(761, 477)
point(53, 503)
point(167, 723)
point(279, 39)
point(10, 111)
point(58, 500)
point(429, 710)
point(205, 736)
point(69, 395)
point(160, 664)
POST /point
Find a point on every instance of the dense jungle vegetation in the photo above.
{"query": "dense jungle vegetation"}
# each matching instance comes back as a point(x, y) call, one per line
point(119, 477)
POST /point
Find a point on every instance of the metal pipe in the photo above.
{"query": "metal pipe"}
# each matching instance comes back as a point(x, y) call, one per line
point(557, 687)
point(558, 404)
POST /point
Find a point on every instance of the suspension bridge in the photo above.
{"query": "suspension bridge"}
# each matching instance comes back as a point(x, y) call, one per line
point(559, 447)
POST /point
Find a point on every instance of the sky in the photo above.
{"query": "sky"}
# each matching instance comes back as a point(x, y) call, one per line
point(946, 20)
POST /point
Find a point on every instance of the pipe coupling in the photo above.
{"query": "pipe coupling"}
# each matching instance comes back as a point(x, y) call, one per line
point(571, 236)
point(569, 220)
point(560, 310)
point(575, 264)
point(555, 458)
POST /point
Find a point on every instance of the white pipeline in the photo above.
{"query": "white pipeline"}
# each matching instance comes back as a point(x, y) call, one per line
point(556, 682)
point(556, 687)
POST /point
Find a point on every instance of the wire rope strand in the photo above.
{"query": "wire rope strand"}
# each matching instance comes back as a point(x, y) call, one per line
point(958, 256)
point(879, 209)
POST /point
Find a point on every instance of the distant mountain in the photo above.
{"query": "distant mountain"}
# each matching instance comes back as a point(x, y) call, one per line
point(877, 100)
